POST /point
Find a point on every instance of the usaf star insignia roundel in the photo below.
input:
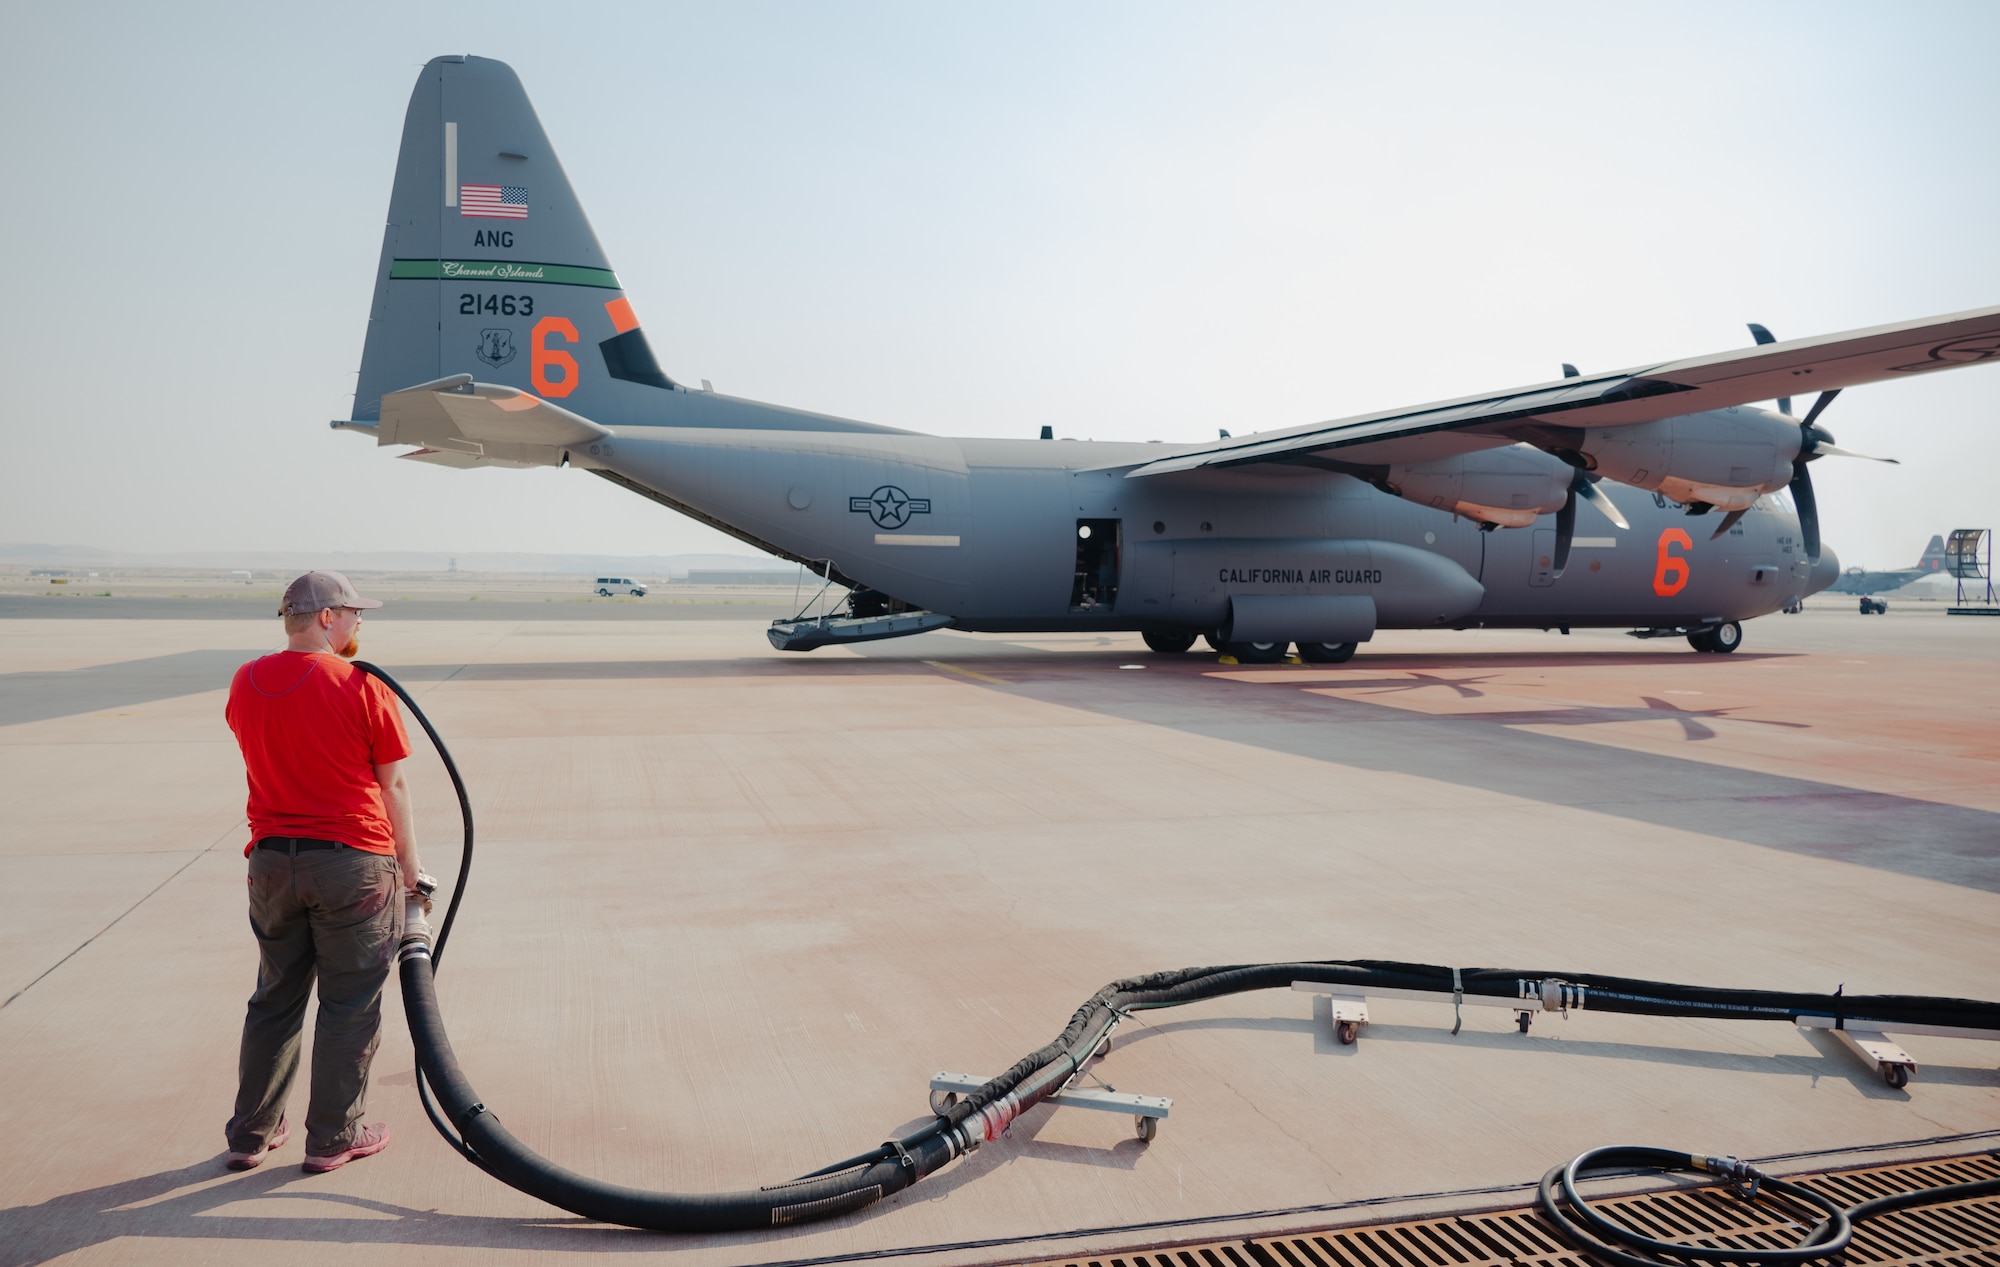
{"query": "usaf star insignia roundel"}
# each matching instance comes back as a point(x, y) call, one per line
point(889, 506)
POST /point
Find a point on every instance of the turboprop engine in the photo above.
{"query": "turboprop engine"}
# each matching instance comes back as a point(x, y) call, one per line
point(1510, 487)
point(1726, 459)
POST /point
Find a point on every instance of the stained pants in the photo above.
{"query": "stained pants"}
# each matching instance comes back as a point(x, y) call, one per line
point(333, 915)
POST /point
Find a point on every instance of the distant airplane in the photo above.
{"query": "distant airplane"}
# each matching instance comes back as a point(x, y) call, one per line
point(500, 336)
point(1857, 581)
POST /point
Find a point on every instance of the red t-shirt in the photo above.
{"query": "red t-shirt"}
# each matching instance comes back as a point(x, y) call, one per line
point(313, 728)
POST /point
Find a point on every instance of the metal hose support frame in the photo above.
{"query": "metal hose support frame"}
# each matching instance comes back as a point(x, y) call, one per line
point(983, 1115)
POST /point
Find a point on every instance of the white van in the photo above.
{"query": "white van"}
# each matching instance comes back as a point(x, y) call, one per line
point(609, 585)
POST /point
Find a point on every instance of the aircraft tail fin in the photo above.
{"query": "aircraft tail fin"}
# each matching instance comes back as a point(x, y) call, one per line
point(489, 266)
point(1934, 557)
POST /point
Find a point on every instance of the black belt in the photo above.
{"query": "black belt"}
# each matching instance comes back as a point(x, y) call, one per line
point(296, 845)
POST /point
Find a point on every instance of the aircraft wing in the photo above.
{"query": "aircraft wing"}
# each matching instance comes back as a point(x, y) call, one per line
point(1623, 398)
point(458, 422)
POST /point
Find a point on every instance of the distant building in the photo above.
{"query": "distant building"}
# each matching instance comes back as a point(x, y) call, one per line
point(741, 576)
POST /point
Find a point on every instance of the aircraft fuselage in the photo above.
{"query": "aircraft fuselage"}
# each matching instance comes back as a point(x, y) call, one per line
point(990, 532)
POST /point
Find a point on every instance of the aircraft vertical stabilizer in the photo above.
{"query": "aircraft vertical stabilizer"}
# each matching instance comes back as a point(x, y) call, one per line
point(489, 266)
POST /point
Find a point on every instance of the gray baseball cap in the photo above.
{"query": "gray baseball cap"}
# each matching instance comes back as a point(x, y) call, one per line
point(317, 591)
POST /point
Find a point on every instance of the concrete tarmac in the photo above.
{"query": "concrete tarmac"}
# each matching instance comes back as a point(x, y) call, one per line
point(731, 908)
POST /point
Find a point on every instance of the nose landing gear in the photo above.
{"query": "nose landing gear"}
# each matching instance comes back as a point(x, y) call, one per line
point(1717, 639)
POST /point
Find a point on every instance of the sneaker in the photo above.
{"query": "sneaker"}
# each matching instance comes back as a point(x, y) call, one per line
point(250, 1161)
point(369, 1141)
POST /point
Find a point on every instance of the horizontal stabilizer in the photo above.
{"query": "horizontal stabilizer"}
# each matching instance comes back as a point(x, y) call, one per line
point(454, 458)
point(457, 422)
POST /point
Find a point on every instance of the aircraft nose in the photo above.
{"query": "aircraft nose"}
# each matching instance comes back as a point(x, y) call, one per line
point(1825, 572)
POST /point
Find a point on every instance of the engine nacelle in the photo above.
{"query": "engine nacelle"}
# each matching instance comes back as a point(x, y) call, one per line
point(1727, 458)
point(1511, 486)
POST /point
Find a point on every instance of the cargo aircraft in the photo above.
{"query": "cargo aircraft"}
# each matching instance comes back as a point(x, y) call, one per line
point(1862, 581)
point(500, 336)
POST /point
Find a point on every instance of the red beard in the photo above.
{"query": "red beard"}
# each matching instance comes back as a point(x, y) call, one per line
point(352, 649)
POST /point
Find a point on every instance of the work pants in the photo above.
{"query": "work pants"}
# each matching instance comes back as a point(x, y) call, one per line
point(335, 915)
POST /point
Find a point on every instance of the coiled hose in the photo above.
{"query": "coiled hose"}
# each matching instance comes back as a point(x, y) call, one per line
point(476, 1132)
point(1587, 1228)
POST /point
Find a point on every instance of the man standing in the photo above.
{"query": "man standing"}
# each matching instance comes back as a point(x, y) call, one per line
point(331, 854)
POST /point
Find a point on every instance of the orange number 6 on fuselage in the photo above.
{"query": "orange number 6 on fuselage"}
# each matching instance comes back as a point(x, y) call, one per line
point(541, 356)
point(1670, 574)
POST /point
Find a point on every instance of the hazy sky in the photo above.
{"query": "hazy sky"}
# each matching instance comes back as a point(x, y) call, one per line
point(1138, 221)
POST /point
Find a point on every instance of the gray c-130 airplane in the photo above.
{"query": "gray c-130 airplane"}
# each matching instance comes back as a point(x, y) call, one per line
point(499, 336)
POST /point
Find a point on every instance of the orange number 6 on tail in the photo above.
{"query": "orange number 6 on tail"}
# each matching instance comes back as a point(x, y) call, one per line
point(1670, 575)
point(541, 356)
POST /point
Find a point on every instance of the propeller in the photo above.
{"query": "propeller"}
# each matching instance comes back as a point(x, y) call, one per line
point(1581, 485)
point(1814, 442)
point(1764, 336)
point(1597, 497)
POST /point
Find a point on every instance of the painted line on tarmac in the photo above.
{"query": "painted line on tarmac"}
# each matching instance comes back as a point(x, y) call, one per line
point(977, 677)
point(241, 825)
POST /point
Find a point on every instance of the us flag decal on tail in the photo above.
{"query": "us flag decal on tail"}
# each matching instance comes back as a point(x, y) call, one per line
point(494, 202)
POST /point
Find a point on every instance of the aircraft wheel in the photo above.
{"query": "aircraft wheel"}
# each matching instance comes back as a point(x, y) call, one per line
point(1167, 641)
point(1256, 652)
point(1701, 639)
point(1725, 637)
point(1326, 652)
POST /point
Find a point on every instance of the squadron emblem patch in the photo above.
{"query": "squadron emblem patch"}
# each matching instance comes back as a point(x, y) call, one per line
point(496, 346)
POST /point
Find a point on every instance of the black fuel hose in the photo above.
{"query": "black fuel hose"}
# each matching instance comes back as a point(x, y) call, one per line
point(983, 1115)
point(1590, 1230)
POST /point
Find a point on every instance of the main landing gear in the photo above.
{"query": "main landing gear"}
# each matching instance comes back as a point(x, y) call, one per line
point(1256, 652)
point(1176, 641)
point(1326, 652)
point(1717, 639)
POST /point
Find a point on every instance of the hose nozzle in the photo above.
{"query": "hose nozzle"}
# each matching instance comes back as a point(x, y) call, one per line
point(417, 935)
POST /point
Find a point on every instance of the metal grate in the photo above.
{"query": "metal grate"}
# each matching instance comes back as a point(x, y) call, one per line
point(1957, 1234)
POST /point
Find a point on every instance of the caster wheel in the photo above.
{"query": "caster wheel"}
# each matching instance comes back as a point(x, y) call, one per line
point(1524, 1019)
point(941, 1101)
point(1103, 1049)
point(1347, 1032)
point(1146, 1128)
point(1897, 1076)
